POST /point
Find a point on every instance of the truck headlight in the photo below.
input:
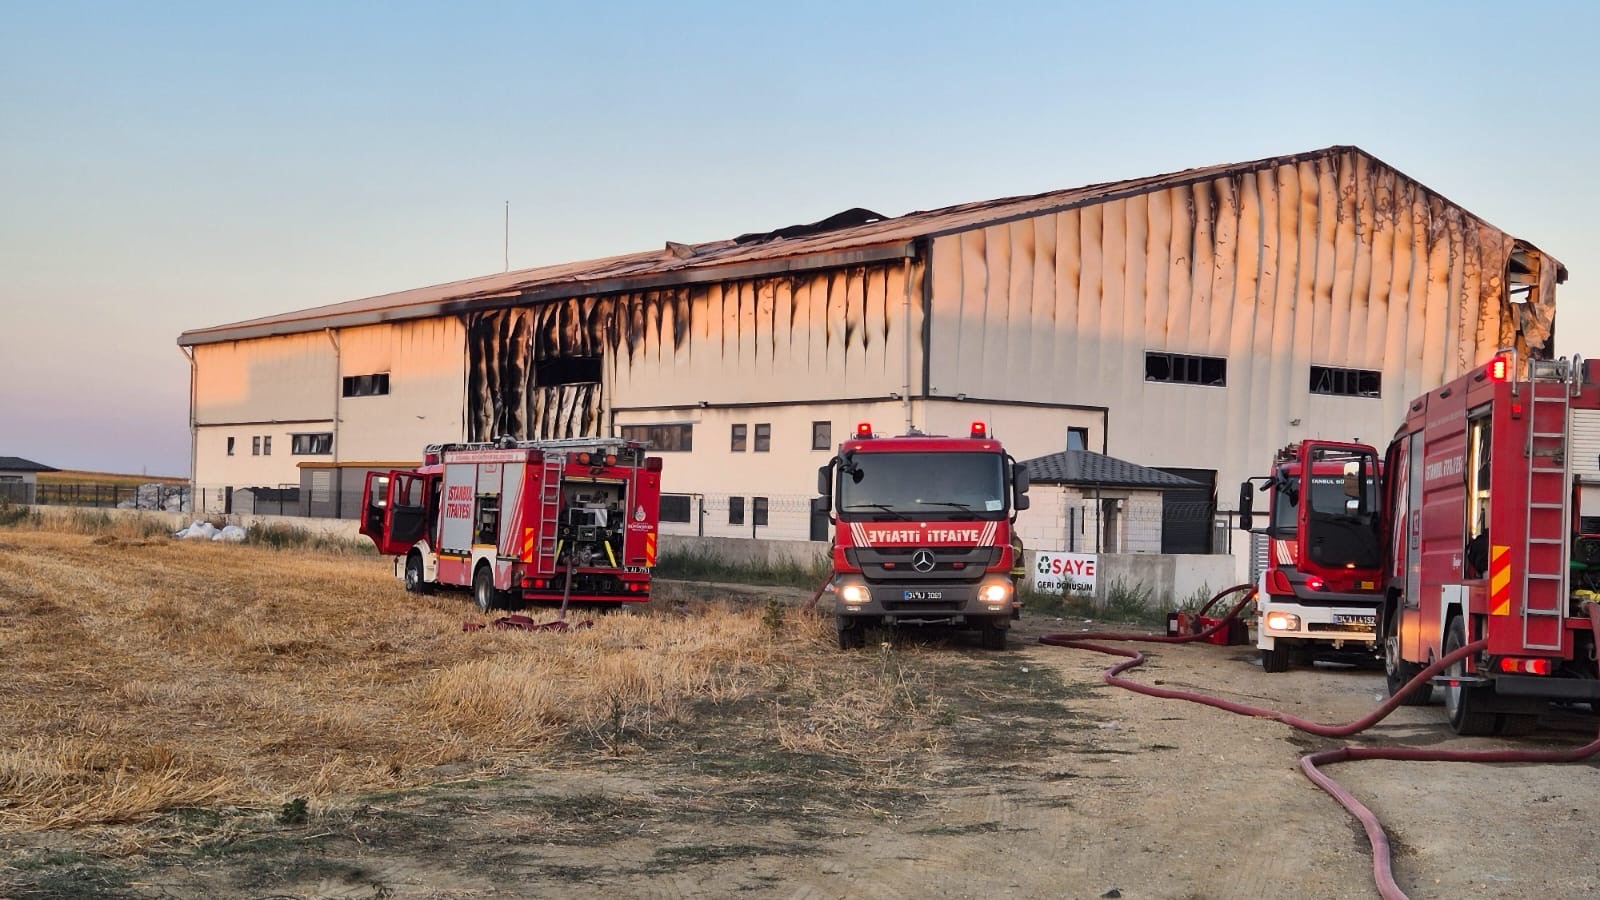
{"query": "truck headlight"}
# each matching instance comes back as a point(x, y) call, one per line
point(854, 594)
point(1283, 622)
point(996, 595)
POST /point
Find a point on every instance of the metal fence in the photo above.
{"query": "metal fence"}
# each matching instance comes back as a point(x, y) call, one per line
point(151, 495)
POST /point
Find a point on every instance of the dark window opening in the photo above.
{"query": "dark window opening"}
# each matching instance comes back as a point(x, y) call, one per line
point(661, 437)
point(822, 435)
point(735, 510)
point(230, 446)
point(366, 385)
point(759, 509)
point(266, 445)
point(738, 438)
point(1077, 438)
point(1180, 368)
point(1346, 382)
point(311, 444)
point(567, 370)
point(675, 507)
point(763, 438)
point(255, 445)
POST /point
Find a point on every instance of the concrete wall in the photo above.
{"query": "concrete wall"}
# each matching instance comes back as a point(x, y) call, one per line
point(745, 551)
point(1169, 578)
point(1064, 518)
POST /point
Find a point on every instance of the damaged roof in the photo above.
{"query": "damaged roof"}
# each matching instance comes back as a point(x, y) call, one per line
point(853, 237)
point(1089, 469)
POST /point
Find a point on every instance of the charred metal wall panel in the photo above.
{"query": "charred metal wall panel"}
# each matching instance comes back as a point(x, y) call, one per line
point(1332, 261)
point(819, 336)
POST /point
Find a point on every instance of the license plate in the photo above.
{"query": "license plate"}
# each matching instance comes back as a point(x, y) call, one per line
point(1369, 621)
point(924, 595)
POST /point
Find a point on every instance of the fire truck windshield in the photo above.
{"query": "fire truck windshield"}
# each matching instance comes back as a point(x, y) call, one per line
point(1327, 496)
point(924, 486)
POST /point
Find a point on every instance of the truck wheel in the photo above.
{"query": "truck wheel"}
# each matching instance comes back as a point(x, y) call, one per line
point(993, 635)
point(852, 634)
point(1461, 701)
point(1397, 672)
point(1518, 724)
point(414, 581)
point(1278, 659)
point(484, 595)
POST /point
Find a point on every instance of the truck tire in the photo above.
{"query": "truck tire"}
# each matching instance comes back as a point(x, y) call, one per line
point(415, 583)
point(993, 634)
point(484, 594)
point(1461, 701)
point(852, 634)
point(1278, 659)
point(1397, 672)
point(1518, 724)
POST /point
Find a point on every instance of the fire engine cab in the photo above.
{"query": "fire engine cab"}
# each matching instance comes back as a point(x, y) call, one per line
point(922, 531)
point(1318, 589)
point(522, 520)
point(1484, 543)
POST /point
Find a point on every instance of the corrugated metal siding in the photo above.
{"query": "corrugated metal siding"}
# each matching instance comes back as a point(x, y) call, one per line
point(289, 377)
point(1337, 260)
point(839, 333)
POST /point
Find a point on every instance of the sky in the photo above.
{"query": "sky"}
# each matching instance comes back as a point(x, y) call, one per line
point(173, 166)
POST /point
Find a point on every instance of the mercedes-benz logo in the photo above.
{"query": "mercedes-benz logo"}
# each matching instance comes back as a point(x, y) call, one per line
point(922, 560)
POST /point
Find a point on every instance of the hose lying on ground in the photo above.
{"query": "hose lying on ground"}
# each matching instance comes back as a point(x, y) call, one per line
point(1382, 872)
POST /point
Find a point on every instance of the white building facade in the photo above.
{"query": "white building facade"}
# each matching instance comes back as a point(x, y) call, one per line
point(1194, 321)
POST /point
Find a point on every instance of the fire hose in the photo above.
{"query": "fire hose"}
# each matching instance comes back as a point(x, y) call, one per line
point(1382, 872)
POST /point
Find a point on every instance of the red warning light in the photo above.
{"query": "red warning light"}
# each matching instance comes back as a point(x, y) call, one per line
point(979, 431)
point(864, 430)
point(1499, 368)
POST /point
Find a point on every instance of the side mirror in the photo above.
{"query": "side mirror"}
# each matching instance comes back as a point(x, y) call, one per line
point(1247, 504)
point(825, 481)
point(1022, 502)
point(1352, 479)
point(1019, 481)
point(821, 506)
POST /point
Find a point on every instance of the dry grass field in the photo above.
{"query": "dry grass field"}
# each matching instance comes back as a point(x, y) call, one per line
point(199, 720)
point(83, 476)
point(148, 674)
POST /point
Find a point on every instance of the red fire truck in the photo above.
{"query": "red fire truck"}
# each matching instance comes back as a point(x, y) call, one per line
point(522, 520)
point(922, 531)
point(1317, 592)
point(1484, 544)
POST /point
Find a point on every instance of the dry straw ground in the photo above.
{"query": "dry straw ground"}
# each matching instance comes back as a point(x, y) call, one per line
point(144, 674)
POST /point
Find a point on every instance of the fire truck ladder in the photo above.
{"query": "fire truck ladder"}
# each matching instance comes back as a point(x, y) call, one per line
point(549, 514)
point(1547, 524)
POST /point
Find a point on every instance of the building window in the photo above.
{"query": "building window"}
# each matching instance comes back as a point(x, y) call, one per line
point(255, 445)
point(1077, 438)
point(758, 509)
point(763, 438)
point(1346, 382)
point(366, 385)
point(661, 437)
point(738, 438)
point(311, 444)
point(675, 507)
point(822, 435)
point(266, 445)
point(735, 510)
point(230, 446)
point(1180, 368)
point(567, 370)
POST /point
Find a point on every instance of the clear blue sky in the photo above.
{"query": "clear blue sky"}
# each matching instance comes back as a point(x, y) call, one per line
point(169, 166)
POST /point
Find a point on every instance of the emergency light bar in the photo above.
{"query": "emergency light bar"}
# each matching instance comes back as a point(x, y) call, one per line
point(979, 431)
point(864, 430)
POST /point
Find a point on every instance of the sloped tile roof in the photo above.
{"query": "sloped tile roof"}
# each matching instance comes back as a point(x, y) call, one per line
point(1085, 467)
point(18, 464)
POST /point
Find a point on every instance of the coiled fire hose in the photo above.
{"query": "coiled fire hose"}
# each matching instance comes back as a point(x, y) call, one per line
point(1382, 872)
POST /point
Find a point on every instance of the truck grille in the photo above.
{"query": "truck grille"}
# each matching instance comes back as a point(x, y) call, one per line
point(889, 564)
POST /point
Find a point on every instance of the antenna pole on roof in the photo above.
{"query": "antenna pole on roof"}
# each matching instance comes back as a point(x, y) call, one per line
point(508, 236)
